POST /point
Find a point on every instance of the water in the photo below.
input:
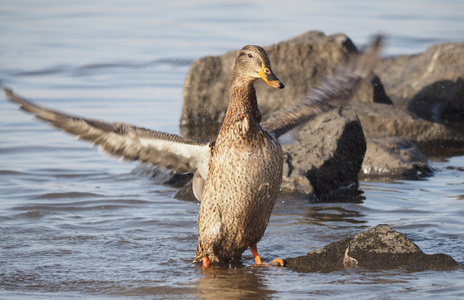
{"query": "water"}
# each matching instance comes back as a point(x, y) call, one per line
point(77, 224)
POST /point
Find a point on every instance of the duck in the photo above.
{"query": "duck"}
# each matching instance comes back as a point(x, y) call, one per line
point(237, 177)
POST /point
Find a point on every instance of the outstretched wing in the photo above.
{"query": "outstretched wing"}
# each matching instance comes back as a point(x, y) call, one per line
point(127, 141)
point(333, 92)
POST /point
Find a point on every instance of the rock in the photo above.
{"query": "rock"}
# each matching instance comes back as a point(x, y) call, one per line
point(301, 62)
point(320, 165)
point(186, 193)
point(315, 163)
point(381, 120)
point(380, 247)
point(429, 84)
point(442, 102)
point(327, 155)
point(404, 76)
point(394, 157)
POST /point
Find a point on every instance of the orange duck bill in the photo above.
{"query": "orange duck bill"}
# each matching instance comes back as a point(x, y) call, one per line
point(270, 78)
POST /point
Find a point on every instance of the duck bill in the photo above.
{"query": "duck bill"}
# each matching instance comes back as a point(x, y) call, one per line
point(269, 77)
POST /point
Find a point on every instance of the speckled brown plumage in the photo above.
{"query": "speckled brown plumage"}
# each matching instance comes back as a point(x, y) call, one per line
point(245, 173)
point(245, 170)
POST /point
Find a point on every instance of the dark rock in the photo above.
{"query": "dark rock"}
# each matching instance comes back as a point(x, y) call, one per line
point(186, 193)
point(329, 151)
point(327, 155)
point(441, 102)
point(380, 247)
point(380, 121)
point(404, 76)
point(394, 157)
point(301, 62)
point(329, 258)
point(429, 84)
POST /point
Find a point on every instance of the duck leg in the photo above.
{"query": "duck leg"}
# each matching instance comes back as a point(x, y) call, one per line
point(206, 262)
point(254, 250)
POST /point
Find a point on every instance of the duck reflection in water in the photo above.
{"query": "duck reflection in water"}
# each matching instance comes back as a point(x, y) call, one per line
point(234, 283)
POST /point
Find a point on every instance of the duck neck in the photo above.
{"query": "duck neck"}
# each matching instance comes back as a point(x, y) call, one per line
point(242, 103)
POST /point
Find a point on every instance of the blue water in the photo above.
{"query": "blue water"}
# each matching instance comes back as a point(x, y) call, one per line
point(77, 224)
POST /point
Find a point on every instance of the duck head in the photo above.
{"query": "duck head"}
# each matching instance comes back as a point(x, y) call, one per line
point(253, 63)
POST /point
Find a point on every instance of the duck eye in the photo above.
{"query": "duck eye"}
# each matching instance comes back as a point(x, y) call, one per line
point(250, 55)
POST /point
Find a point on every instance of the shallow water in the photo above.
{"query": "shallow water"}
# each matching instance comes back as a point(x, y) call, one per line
point(77, 224)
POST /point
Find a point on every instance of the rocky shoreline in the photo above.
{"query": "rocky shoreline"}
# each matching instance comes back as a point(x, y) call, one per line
point(413, 107)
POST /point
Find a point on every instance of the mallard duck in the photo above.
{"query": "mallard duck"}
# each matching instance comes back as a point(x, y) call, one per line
point(238, 176)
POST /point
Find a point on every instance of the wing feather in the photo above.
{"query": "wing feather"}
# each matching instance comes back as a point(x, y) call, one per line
point(333, 92)
point(127, 141)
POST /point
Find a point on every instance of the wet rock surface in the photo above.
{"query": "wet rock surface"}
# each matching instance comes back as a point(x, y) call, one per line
point(442, 102)
point(302, 63)
point(406, 75)
point(380, 247)
point(325, 155)
point(429, 85)
point(395, 157)
point(381, 121)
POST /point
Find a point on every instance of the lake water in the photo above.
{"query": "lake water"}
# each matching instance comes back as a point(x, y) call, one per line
point(77, 224)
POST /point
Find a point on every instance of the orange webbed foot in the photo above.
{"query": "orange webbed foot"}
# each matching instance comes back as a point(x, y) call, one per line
point(276, 262)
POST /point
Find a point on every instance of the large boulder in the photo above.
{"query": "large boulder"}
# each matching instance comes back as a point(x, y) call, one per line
point(328, 151)
point(380, 247)
point(429, 84)
point(404, 76)
point(301, 63)
point(442, 102)
point(326, 156)
point(382, 120)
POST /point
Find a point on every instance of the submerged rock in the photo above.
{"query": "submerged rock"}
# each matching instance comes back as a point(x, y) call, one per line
point(380, 247)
